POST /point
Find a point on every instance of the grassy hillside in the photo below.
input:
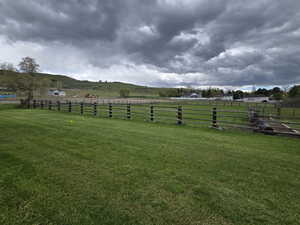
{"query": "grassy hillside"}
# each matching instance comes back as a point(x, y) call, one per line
point(65, 169)
point(71, 83)
point(81, 88)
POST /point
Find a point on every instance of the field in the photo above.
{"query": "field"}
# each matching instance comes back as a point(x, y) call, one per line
point(58, 168)
point(103, 92)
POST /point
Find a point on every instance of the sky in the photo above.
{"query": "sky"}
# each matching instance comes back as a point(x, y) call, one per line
point(165, 43)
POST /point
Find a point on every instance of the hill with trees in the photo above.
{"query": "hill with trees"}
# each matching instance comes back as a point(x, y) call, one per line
point(83, 87)
point(27, 79)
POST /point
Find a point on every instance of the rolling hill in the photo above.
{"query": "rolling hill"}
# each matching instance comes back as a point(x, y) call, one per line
point(82, 87)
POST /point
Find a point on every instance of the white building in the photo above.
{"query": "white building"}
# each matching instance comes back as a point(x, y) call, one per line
point(195, 95)
point(56, 93)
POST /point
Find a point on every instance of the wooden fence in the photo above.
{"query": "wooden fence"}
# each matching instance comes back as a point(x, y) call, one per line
point(186, 114)
point(169, 112)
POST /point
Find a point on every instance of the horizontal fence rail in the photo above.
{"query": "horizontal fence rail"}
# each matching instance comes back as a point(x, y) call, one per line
point(171, 113)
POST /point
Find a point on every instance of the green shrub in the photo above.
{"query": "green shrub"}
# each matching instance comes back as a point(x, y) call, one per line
point(124, 93)
point(294, 92)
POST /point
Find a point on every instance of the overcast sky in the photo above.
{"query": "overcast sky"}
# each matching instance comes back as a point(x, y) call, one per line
point(229, 43)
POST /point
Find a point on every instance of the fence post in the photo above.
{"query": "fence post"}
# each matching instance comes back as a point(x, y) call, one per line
point(42, 104)
point(50, 105)
point(128, 111)
point(70, 106)
point(22, 102)
point(179, 115)
point(294, 112)
point(81, 108)
point(110, 110)
point(214, 118)
point(279, 111)
point(58, 105)
point(95, 109)
point(151, 113)
point(34, 104)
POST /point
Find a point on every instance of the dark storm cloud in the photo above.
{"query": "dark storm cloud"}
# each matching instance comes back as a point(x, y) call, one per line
point(66, 21)
point(215, 42)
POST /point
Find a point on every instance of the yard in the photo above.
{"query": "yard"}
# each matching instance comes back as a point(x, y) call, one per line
point(59, 168)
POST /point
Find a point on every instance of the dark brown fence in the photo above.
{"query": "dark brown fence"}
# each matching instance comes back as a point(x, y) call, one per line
point(171, 113)
point(179, 113)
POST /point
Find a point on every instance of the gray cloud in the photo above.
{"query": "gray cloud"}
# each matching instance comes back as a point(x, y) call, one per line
point(191, 42)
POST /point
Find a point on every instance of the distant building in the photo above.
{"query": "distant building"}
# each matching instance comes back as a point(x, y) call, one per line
point(256, 99)
point(195, 95)
point(59, 93)
point(7, 96)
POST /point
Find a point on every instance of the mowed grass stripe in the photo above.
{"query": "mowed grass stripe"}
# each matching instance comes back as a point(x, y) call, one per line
point(57, 168)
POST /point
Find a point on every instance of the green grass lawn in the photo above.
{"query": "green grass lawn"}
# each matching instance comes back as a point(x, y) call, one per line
point(58, 168)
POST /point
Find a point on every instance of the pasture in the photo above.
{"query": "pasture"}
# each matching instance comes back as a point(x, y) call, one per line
point(58, 168)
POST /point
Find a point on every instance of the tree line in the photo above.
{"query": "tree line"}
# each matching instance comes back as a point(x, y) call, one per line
point(275, 93)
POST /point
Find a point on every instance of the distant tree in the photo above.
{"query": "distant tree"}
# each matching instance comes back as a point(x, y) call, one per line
point(7, 67)
point(27, 82)
point(238, 94)
point(124, 93)
point(229, 92)
point(278, 96)
point(276, 90)
point(294, 91)
point(212, 92)
point(28, 65)
point(262, 92)
point(180, 92)
point(277, 93)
